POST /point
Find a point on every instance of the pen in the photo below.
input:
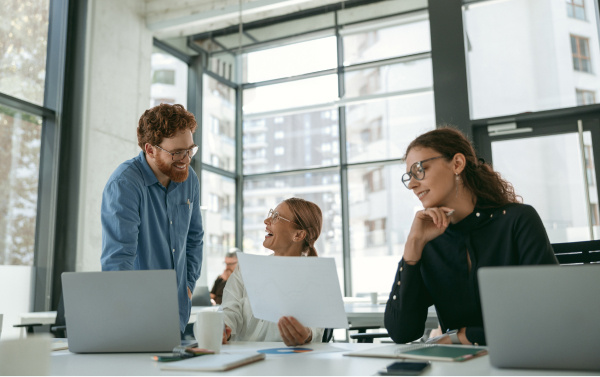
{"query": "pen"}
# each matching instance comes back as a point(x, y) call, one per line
point(189, 206)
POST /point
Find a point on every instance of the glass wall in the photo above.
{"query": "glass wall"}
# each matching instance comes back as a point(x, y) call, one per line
point(20, 155)
point(24, 116)
point(554, 182)
point(169, 79)
point(23, 43)
point(320, 187)
point(531, 55)
point(218, 202)
point(218, 124)
point(292, 146)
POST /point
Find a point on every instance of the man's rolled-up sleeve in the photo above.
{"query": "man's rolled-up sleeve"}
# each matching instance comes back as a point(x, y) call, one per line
point(120, 217)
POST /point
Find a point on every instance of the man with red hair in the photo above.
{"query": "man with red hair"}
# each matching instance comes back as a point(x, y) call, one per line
point(151, 204)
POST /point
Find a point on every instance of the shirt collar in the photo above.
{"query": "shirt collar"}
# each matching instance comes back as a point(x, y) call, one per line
point(149, 176)
point(478, 217)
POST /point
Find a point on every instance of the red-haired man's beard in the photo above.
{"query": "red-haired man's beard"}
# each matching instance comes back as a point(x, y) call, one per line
point(177, 171)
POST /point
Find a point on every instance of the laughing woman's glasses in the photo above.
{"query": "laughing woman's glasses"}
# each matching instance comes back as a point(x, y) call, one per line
point(274, 216)
point(416, 171)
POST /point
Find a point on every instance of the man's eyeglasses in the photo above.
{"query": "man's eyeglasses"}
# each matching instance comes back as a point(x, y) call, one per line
point(178, 156)
point(274, 216)
point(416, 171)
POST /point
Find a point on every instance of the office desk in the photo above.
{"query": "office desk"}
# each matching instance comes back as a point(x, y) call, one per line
point(326, 359)
point(366, 314)
point(45, 318)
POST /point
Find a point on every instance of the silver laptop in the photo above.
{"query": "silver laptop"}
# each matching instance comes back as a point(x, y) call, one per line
point(121, 311)
point(542, 317)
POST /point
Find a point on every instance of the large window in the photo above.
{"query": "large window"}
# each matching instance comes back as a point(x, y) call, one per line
point(20, 155)
point(218, 124)
point(218, 209)
point(169, 79)
point(322, 188)
point(23, 43)
point(28, 99)
point(292, 139)
point(527, 56)
point(554, 181)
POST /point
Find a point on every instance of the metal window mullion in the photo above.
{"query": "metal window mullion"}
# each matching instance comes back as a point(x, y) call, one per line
point(26, 107)
point(586, 183)
point(187, 59)
point(346, 255)
point(239, 163)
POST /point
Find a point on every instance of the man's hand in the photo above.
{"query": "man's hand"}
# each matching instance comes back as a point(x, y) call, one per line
point(293, 332)
point(189, 293)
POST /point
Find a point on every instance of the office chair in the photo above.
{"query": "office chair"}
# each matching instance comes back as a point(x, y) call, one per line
point(584, 252)
point(327, 335)
point(201, 297)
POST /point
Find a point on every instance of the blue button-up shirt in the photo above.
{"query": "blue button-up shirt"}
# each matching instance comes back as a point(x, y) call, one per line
point(146, 226)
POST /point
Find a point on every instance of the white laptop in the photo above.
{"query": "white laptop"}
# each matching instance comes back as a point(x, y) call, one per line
point(542, 317)
point(121, 311)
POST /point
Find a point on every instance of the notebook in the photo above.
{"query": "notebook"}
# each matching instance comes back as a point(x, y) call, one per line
point(213, 363)
point(542, 317)
point(421, 351)
point(121, 311)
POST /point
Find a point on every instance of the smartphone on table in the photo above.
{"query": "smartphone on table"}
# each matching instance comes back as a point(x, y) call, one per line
point(405, 368)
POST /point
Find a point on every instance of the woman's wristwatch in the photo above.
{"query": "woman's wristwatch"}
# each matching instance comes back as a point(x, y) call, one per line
point(453, 334)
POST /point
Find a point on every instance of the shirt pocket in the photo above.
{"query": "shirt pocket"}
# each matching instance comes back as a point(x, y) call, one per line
point(184, 216)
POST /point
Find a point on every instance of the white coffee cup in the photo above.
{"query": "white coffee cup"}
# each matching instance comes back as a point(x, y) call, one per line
point(208, 330)
point(374, 297)
point(25, 357)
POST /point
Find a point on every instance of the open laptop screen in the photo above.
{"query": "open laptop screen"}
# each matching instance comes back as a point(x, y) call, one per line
point(121, 311)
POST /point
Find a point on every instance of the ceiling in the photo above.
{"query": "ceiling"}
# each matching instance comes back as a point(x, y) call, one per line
point(180, 18)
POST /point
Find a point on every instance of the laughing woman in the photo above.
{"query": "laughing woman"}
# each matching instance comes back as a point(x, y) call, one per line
point(292, 229)
point(471, 219)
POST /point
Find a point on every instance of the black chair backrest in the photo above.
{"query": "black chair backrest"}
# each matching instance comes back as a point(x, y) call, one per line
point(201, 296)
point(327, 335)
point(59, 329)
point(583, 252)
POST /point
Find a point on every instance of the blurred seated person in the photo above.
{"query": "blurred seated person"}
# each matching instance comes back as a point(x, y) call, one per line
point(471, 218)
point(292, 229)
point(231, 260)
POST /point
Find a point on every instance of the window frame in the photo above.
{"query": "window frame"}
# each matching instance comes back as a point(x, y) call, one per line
point(577, 54)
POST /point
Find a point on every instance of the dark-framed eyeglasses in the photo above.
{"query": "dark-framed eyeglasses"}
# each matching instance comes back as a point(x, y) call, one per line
point(274, 216)
point(416, 171)
point(178, 156)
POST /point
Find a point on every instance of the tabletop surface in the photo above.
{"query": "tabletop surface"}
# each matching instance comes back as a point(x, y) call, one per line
point(325, 359)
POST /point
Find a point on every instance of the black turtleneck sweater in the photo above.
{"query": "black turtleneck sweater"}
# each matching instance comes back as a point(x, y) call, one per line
point(510, 235)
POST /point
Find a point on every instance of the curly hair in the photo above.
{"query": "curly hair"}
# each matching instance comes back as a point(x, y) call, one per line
point(488, 186)
point(310, 219)
point(162, 122)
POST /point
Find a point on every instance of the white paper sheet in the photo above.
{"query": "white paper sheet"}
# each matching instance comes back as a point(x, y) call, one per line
point(306, 288)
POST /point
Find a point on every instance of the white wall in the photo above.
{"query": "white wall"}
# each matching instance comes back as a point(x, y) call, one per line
point(14, 281)
point(117, 92)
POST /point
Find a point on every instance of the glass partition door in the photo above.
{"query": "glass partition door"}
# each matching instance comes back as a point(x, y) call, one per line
point(555, 173)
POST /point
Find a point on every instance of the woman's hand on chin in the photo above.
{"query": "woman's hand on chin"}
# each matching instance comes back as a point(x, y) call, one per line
point(293, 332)
point(430, 223)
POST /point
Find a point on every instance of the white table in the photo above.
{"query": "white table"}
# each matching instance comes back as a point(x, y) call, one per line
point(365, 314)
point(44, 318)
point(361, 314)
point(326, 359)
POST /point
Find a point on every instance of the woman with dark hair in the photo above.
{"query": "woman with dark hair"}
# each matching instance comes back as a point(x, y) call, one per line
point(472, 218)
point(292, 229)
